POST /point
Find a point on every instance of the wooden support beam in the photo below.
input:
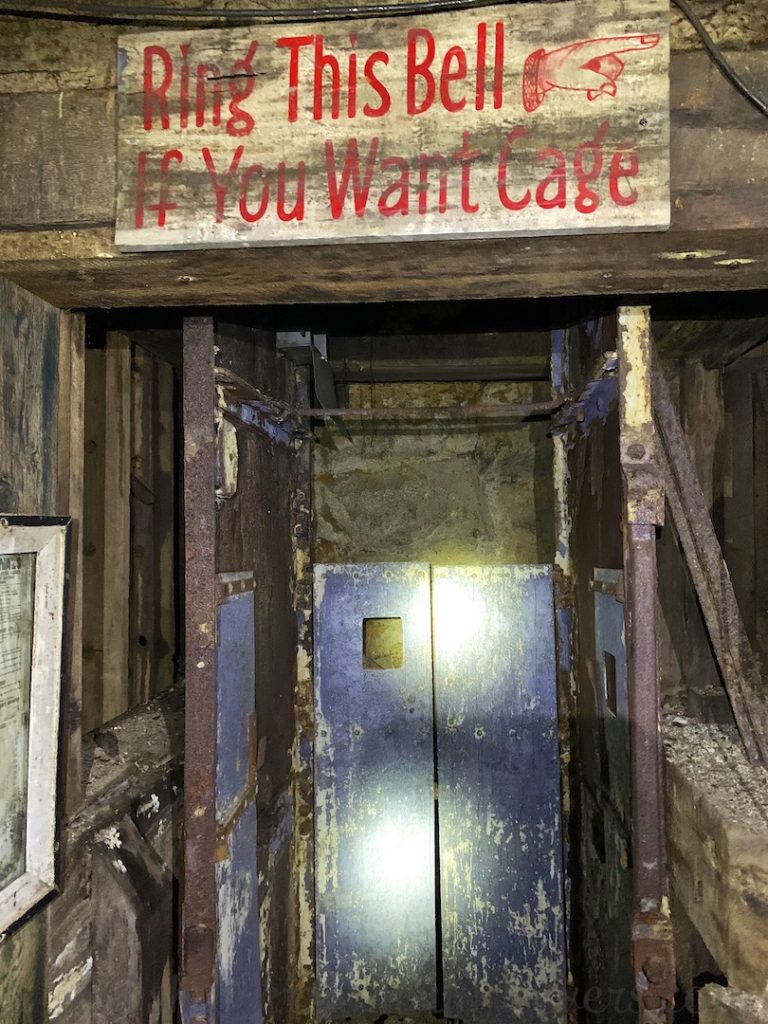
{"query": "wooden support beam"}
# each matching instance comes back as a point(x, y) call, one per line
point(56, 226)
point(738, 666)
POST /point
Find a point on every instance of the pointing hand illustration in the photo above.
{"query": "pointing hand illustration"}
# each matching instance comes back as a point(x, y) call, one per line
point(592, 66)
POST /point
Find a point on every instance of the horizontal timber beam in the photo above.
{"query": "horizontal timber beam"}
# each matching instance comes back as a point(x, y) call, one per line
point(57, 206)
point(81, 269)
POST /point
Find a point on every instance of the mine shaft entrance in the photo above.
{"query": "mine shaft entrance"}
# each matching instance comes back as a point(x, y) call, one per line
point(348, 478)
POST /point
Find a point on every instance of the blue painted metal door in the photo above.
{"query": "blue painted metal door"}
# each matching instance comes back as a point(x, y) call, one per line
point(374, 795)
point(238, 961)
point(499, 795)
point(473, 703)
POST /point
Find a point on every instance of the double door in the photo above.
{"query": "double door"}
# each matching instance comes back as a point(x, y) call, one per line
point(438, 848)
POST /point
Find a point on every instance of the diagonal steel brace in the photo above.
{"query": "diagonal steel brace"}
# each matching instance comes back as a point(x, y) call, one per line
point(739, 667)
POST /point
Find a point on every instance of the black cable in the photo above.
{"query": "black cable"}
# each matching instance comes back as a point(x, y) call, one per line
point(121, 13)
point(717, 56)
point(238, 16)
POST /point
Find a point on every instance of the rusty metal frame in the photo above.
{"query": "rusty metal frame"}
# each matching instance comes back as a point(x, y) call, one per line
point(738, 664)
point(198, 926)
point(643, 510)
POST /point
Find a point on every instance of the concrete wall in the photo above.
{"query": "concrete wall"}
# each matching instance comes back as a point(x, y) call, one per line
point(474, 493)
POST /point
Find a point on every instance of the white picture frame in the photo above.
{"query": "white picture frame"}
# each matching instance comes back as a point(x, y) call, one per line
point(46, 539)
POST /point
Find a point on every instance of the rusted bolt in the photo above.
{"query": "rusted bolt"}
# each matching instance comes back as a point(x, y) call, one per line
point(636, 451)
point(652, 1002)
point(654, 969)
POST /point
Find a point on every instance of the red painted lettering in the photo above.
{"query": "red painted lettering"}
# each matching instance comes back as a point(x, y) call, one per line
point(221, 188)
point(156, 94)
point(249, 216)
point(294, 45)
point(338, 185)
point(587, 199)
point(620, 169)
point(453, 55)
point(425, 161)
point(297, 213)
point(506, 201)
point(240, 88)
point(141, 182)
point(465, 156)
point(398, 189)
point(325, 62)
point(556, 177)
point(207, 73)
point(482, 43)
point(416, 69)
point(378, 57)
point(162, 206)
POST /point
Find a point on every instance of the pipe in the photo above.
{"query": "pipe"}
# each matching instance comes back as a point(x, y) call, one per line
point(459, 412)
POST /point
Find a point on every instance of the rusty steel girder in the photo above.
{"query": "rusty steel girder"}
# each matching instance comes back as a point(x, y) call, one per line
point(198, 925)
point(643, 510)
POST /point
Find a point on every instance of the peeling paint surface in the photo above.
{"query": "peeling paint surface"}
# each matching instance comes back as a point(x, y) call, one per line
point(374, 797)
point(238, 982)
point(499, 794)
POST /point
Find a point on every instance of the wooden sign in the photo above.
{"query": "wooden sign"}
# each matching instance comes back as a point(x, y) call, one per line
point(524, 119)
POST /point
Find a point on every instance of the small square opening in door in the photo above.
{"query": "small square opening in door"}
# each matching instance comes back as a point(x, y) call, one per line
point(382, 643)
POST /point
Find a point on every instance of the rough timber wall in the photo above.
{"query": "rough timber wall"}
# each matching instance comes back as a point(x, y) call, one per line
point(474, 493)
point(29, 449)
point(57, 130)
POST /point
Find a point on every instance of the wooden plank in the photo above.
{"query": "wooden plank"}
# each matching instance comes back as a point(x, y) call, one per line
point(165, 531)
point(153, 600)
point(30, 348)
point(739, 496)
point(29, 355)
point(760, 477)
point(72, 268)
point(500, 848)
point(50, 178)
point(73, 125)
point(735, 24)
point(374, 799)
point(70, 502)
point(481, 124)
point(106, 532)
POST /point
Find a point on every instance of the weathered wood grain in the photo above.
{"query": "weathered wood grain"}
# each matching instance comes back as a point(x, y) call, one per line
point(57, 154)
point(152, 640)
point(708, 246)
point(106, 537)
point(538, 125)
point(69, 500)
point(735, 24)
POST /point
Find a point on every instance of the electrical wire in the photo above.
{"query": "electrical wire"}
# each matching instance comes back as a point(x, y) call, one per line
point(717, 56)
point(94, 12)
point(122, 13)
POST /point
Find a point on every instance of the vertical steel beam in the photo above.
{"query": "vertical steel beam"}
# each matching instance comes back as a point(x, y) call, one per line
point(198, 934)
point(303, 839)
point(643, 511)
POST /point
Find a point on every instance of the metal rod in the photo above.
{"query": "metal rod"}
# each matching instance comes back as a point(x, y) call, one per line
point(458, 412)
point(198, 944)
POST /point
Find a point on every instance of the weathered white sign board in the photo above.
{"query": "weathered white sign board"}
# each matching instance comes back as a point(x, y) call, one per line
point(524, 119)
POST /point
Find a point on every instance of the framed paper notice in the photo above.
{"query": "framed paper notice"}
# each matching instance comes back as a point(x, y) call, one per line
point(32, 584)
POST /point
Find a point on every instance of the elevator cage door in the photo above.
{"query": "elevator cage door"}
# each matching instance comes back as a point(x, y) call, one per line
point(438, 847)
